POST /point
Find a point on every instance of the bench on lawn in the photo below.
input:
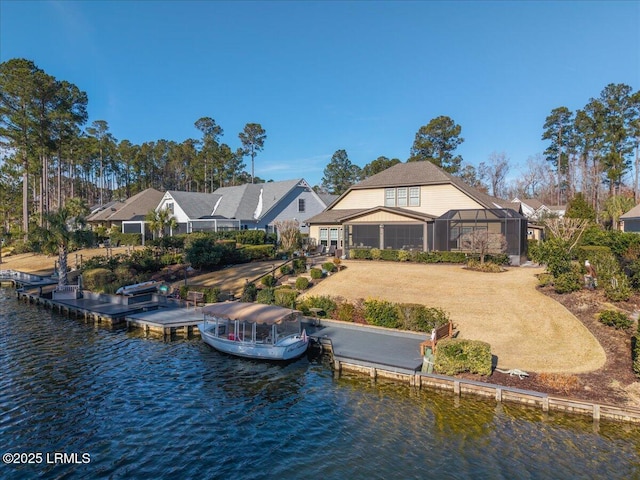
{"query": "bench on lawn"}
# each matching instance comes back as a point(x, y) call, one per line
point(442, 331)
point(195, 298)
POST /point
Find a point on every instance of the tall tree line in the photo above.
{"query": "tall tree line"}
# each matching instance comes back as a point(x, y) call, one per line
point(48, 153)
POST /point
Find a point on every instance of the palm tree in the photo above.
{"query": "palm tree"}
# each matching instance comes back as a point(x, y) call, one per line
point(160, 220)
point(61, 230)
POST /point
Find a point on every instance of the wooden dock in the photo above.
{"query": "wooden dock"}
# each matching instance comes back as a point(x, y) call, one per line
point(167, 321)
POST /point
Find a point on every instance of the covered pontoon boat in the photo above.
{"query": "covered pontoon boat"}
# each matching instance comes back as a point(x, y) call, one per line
point(254, 330)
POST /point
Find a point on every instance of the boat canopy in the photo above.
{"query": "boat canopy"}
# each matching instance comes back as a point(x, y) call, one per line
point(252, 312)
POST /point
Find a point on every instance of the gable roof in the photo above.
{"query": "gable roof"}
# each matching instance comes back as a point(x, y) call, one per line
point(340, 216)
point(252, 201)
point(195, 204)
point(426, 173)
point(633, 213)
point(102, 213)
point(137, 207)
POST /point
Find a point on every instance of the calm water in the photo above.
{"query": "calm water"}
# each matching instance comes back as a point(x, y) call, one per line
point(143, 408)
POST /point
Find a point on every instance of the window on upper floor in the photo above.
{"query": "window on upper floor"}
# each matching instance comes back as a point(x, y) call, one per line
point(402, 197)
point(301, 205)
point(414, 196)
point(389, 197)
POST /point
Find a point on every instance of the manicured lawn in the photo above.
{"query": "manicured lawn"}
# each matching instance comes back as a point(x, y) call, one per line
point(526, 329)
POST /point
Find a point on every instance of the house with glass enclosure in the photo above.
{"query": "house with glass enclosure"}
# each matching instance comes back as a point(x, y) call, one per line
point(417, 206)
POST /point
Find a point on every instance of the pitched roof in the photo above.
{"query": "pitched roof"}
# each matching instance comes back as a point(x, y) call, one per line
point(633, 213)
point(426, 173)
point(137, 207)
point(530, 202)
point(104, 212)
point(195, 204)
point(340, 216)
point(253, 200)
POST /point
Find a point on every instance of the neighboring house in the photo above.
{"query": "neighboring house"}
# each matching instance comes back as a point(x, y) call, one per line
point(131, 217)
point(99, 216)
point(249, 206)
point(630, 221)
point(416, 206)
point(534, 209)
point(194, 212)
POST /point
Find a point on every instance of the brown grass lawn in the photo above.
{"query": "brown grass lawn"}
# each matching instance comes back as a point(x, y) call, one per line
point(526, 329)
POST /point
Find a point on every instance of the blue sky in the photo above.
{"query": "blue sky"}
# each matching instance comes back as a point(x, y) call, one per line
point(323, 76)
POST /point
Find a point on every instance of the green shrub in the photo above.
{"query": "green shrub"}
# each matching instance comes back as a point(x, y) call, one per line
point(381, 313)
point(532, 249)
point(615, 318)
point(567, 282)
point(125, 275)
point(266, 296)
point(487, 267)
point(316, 273)
point(404, 255)
point(545, 279)
point(375, 253)
point(98, 279)
point(389, 255)
point(249, 292)
point(360, 254)
point(144, 260)
point(302, 283)
point(251, 237)
point(350, 312)
point(258, 252)
point(268, 281)
point(286, 269)
point(555, 254)
point(285, 297)
point(324, 302)
point(420, 318)
point(498, 258)
point(635, 353)
point(329, 267)
point(211, 294)
point(299, 265)
point(170, 258)
point(119, 238)
point(441, 257)
point(454, 356)
point(618, 289)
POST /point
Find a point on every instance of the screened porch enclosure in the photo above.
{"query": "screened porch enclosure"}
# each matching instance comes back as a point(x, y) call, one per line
point(453, 229)
point(386, 236)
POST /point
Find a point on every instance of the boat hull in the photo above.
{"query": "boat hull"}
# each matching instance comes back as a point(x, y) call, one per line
point(287, 349)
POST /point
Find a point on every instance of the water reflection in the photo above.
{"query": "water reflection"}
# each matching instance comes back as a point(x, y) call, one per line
point(143, 407)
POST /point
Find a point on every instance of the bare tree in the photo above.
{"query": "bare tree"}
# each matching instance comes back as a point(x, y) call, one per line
point(494, 173)
point(483, 243)
point(567, 229)
point(288, 234)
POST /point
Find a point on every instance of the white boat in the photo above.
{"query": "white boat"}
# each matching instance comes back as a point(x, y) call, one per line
point(138, 288)
point(254, 330)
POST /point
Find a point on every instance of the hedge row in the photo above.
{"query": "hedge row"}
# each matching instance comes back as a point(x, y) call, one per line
point(421, 257)
point(381, 313)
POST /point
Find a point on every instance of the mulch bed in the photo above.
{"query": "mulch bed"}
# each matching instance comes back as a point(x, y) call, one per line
point(604, 386)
